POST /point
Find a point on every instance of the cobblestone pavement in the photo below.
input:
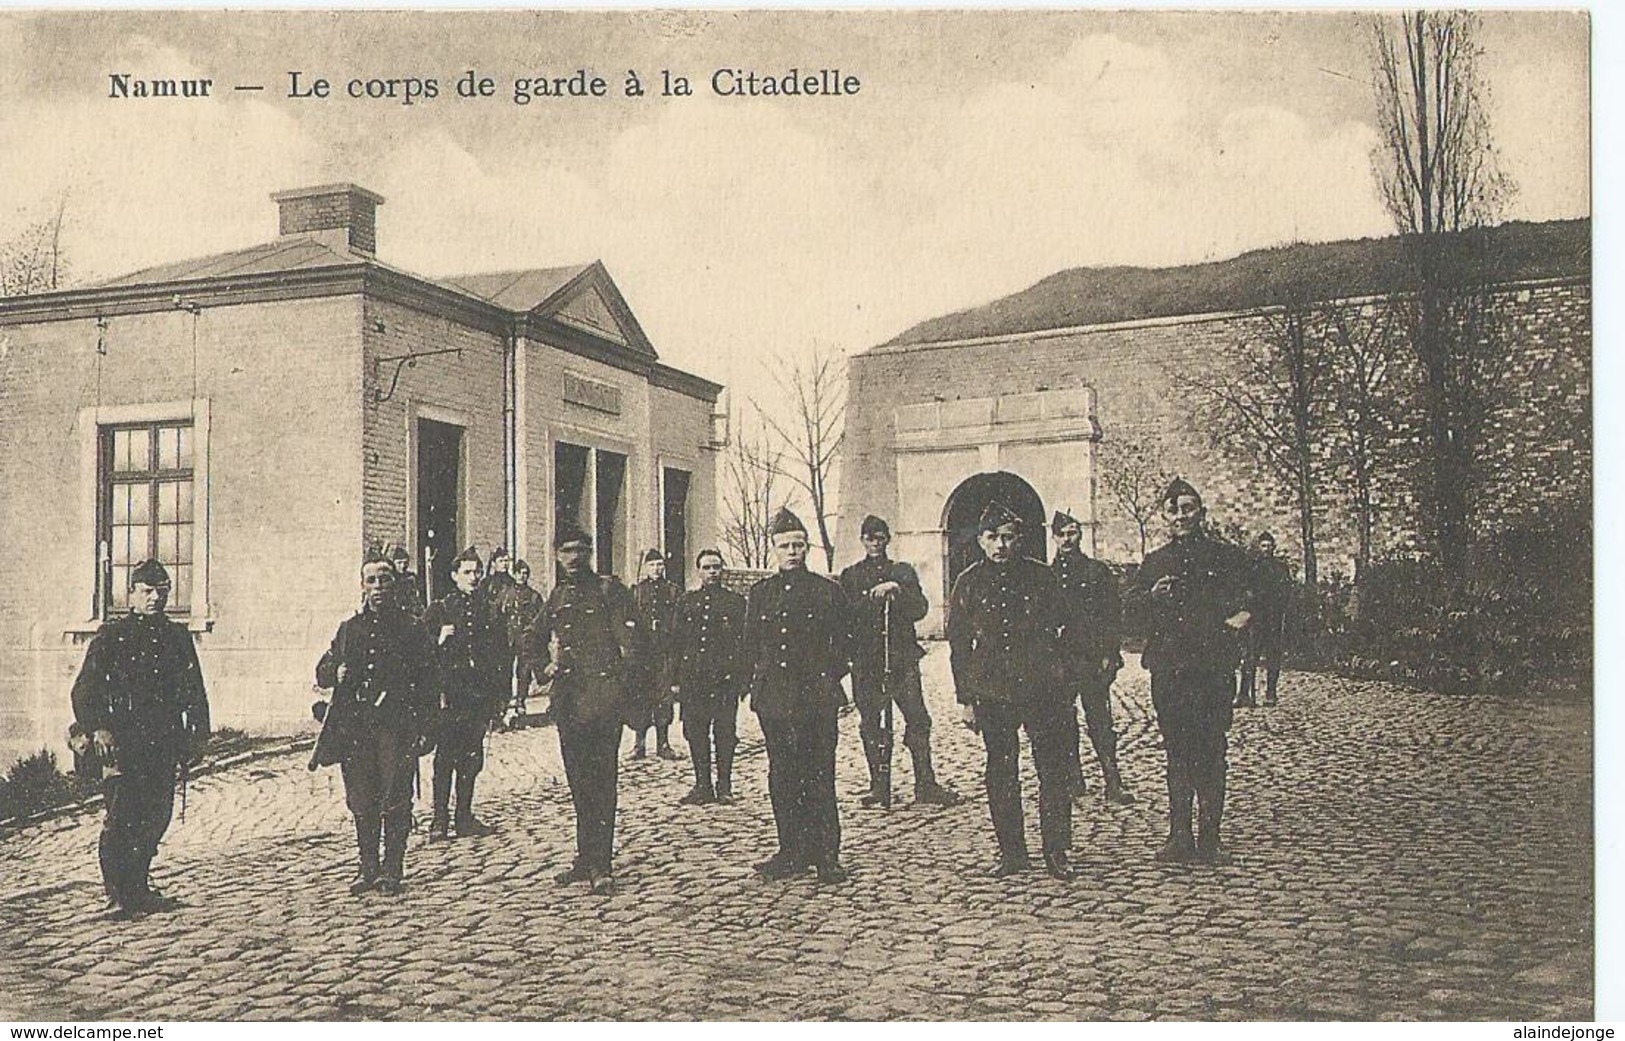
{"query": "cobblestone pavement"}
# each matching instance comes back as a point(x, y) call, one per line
point(1399, 855)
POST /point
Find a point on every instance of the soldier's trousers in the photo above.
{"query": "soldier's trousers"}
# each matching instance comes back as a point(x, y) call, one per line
point(705, 714)
point(904, 689)
point(660, 714)
point(1095, 694)
point(1049, 735)
point(378, 774)
point(1269, 652)
point(139, 804)
point(1194, 711)
point(801, 784)
point(591, 765)
point(459, 755)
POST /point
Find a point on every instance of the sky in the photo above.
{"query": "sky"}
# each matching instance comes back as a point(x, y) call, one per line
point(984, 150)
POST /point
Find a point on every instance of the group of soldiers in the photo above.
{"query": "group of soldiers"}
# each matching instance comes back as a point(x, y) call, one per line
point(1029, 644)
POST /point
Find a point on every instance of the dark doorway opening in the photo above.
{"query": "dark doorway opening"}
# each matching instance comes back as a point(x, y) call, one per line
point(675, 524)
point(570, 463)
point(439, 484)
point(610, 481)
point(960, 518)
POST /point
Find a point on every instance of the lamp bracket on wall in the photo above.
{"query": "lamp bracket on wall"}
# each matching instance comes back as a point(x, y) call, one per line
point(402, 361)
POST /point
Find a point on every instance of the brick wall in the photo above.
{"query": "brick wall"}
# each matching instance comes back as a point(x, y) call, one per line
point(465, 390)
point(284, 506)
point(1539, 449)
point(654, 428)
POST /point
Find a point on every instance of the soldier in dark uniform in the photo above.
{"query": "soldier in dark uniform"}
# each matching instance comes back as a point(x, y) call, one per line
point(497, 579)
point(381, 669)
point(472, 650)
point(878, 587)
point(407, 589)
point(796, 627)
point(585, 640)
point(655, 598)
point(708, 676)
point(1270, 582)
point(1091, 648)
point(1003, 618)
point(1195, 590)
point(518, 605)
point(140, 699)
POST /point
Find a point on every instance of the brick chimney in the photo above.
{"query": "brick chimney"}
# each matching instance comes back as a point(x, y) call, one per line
point(341, 215)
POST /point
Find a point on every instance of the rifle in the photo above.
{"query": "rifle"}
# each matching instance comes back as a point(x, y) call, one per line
point(885, 710)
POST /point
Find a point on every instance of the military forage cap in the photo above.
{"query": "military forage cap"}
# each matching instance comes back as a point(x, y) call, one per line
point(150, 573)
point(468, 554)
point(568, 533)
point(785, 521)
point(1061, 520)
point(1179, 486)
point(996, 516)
point(651, 555)
point(873, 525)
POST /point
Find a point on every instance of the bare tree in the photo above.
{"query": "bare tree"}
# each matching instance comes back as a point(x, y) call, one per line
point(1134, 470)
point(1363, 378)
point(32, 260)
point(750, 470)
point(812, 430)
point(1441, 183)
point(1273, 405)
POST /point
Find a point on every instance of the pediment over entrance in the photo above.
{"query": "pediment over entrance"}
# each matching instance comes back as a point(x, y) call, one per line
point(591, 303)
point(589, 312)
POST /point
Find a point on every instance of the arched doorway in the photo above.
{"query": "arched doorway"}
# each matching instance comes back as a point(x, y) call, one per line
point(963, 511)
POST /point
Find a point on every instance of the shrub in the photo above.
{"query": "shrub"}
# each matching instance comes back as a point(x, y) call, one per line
point(35, 783)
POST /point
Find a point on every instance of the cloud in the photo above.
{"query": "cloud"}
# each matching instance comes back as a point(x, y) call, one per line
point(153, 180)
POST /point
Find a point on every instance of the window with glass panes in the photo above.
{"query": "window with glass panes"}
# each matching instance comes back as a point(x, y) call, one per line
point(146, 508)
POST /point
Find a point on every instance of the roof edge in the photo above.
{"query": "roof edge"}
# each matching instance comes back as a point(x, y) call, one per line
point(891, 347)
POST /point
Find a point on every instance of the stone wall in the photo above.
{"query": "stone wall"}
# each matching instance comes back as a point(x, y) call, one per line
point(1538, 450)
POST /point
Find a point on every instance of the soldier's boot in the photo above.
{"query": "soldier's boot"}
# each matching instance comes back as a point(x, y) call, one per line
point(702, 792)
point(366, 835)
point(1116, 794)
point(440, 814)
point(640, 745)
point(725, 772)
point(397, 826)
point(1271, 679)
point(468, 826)
point(663, 747)
point(927, 789)
point(1181, 846)
point(1211, 812)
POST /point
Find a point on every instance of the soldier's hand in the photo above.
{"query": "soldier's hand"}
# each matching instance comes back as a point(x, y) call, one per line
point(885, 591)
point(446, 631)
point(968, 715)
point(1164, 586)
point(103, 741)
point(344, 670)
point(1239, 620)
point(676, 690)
point(1109, 665)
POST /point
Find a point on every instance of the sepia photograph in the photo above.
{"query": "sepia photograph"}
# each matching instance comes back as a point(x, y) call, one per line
point(882, 515)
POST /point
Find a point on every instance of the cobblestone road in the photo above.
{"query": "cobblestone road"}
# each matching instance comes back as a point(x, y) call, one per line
point(1399, 855)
